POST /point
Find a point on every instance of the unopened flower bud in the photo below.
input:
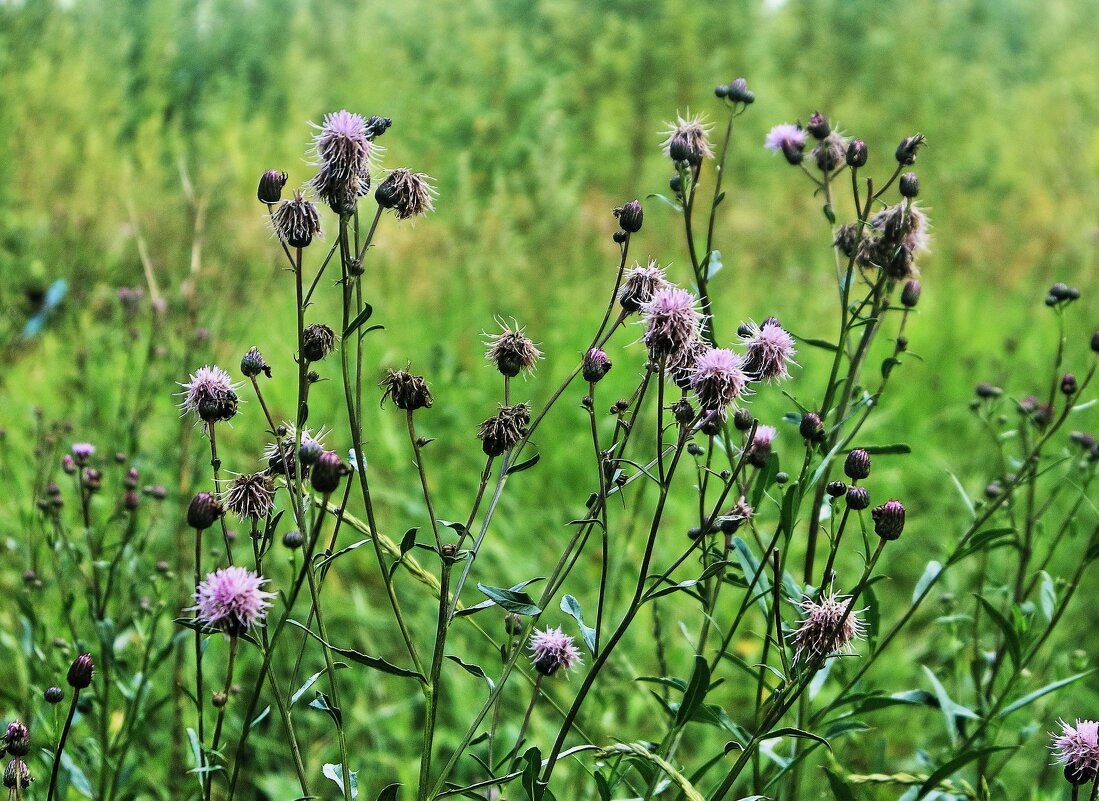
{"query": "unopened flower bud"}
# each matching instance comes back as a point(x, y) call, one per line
point(985, 390)
point(293, 539)
point(857, 464)
point(739, 92)
point(1095, 342)
point(812, 427)
point(818, 125)
point(17, 776)
point(908, 148)
point(253, 364)
point(836, 488)
point(619, 237)
point(204, 511)
point(742, 420)
point(81, 671)
point(630, 216)
point(888, 519)
point(132, 479)
point(910, 185)
point(857, 153)
point(17, 739)
point(910, 294)
point(513, 624)
point(596, 365)
point(858, 498)
point(131, 500)
point(1068, 384)
point(270, 186)
point(219, 700)
point(326, 473)
point(54, 695)
point(310, 451)
point(68, 464)
point(683, 411)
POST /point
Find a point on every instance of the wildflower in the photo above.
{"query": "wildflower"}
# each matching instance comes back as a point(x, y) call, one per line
point(596, 365)
point(888, 519)
point(503, 432)
point(16, 740)
point(731, 521)
point(312, 446)
point(513, 623)
point(68, 464)
point(1077, 748)
point(836, 488)
point(296, 221)
point(230, 599)
point(318, 340)
point(831, 152)
point(818, 126)
point(857, 464)
point(788, 139)
point(688, 140)
point(718, 378)
point(858, 498)
point(1068, 384)
point(250, 496)
point(54, 695)
point(82, 452)
point(630, 217)
point(270, 186)
point(671, 320)
point(511, 351)
point(827, 629)
point(680, 364)
point(253, 364)
point(409, 194)
point(909, 185)
point(640, 284)
point(552, 650)
point(759, 450)
point(81, 671)
point(811, 427)
point(742, 419)
point(907, 149)
point(739, 92)
point(910, 293)
point(770, 351)
point(406, 390)
point(211, 394)
point(17, 775)
point(342, 152)
point(327, 472)
point(857, 154)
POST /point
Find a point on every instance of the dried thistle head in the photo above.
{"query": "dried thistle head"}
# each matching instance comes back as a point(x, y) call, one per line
point(680, 364)
point(640, 284)
point(688, 140)
point(503, 431)
point(286, 449)
point(830, 153)
point(407, 390)
point(296, 221)
point(408, 193)
point(511, 351)
point(318, 340)
point(270, 186)
point(827, 629)
point(250, 496)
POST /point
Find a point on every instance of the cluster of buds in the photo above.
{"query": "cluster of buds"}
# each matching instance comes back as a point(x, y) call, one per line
point(1061, 295)
point(736, 92)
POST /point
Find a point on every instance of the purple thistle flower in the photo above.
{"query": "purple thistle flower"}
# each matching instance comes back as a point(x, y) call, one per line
point(680, 364)
point(231, 600)
point(759, 450)
point(1077, 748)
point(210, 394)
point(831, 152)
point(82, 452)
point(342, 150)
point(640, 284)
point(671, 321)
point(788, 139)
point(770, 349)
point(825, 631)
point(552, 650)
point(718, 378)
point(688, 140)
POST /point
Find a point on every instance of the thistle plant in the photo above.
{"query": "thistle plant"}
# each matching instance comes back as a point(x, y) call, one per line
point(765, 535)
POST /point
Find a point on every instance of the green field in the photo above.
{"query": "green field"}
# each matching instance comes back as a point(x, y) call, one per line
point(135, 133)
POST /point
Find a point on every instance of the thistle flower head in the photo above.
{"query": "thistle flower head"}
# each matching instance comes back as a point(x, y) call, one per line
point(552, 650)
point(82, 452)
point(250, 496)
point(640, 284)
point(512, 351)
point(341, 150)
point(17, 776)
point(16, 740)
point(770, 351)
point(327, 472)
point(680, 364)
point(499, 433)
point(1077, 748)
point(407, 390)
point(830, 153)
point(671, 321)
point(312, 445)
point(596, 365)
point(296, 221)
point(81, 671)
point(231, 599)
point(408, 193)
point(759, 449)
point(718, 378)
point(787, 139)
point(318, 340)
point(210, 394)
point(688, 140)
point(827, 629)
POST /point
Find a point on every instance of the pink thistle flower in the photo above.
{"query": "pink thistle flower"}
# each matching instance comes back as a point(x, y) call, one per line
point(788, 139)
point(342, 149)
point(640, 284)
point(770, 351)
point(672, 321)
point(680, 365)
point(759, 450)
point(552, 650)
point(688, 140)
point(1077, 748)
point(831, 152)
point(827, 629)
point(231, 600)
point(82, 452)
point(210, 394)
point(718, 378)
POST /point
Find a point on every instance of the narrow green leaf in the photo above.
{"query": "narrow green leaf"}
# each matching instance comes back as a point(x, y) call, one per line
point(930, 575)
point(360, 318)
point(696, 690)
point(953, 765)
point(360, 658)
point(1011, 637)
point(571, 607)
point(473, 670)
point(1034, 696)
point(511, 600)
point(524, 465)
point(791, 731)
